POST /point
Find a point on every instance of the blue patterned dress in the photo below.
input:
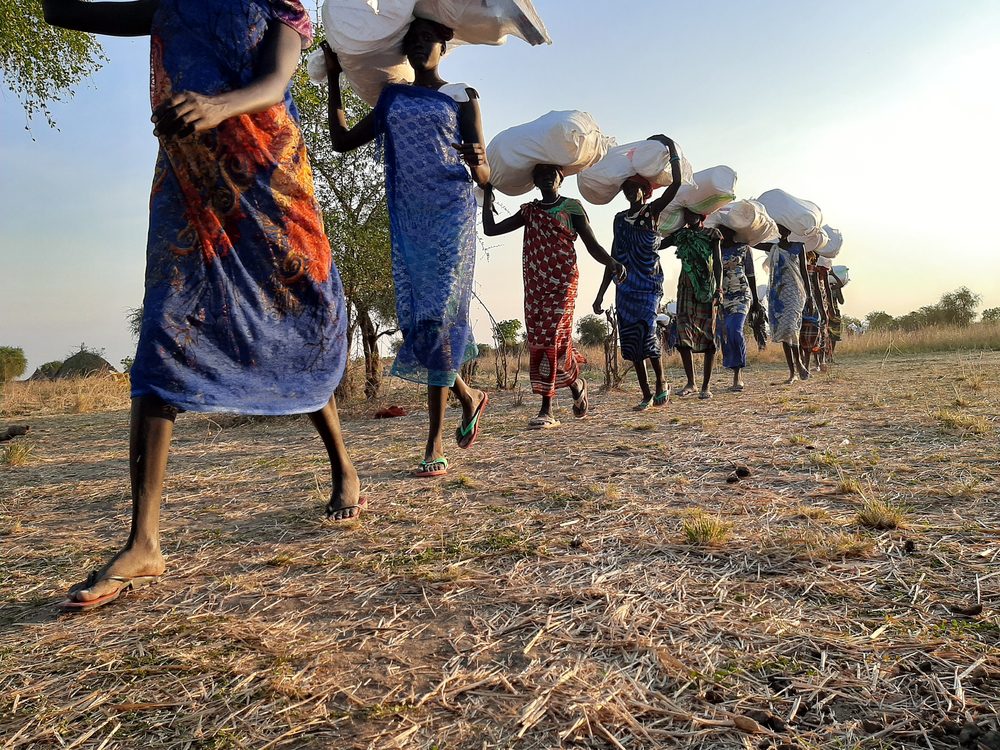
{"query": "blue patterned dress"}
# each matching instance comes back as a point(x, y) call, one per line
point(736, 300)
point(786, 294)
point(432, 214)
point(244, 310)
point(636, 246)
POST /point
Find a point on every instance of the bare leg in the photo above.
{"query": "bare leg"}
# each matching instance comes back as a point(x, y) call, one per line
point(706, 381)
point(546, 407)
point(658, 372)
point(792, 360)
point(437, 405)
point(346, 488)
point(151, 429)
point(805, 354)
point(737, 380)
point(685, 353)
point(643, 378)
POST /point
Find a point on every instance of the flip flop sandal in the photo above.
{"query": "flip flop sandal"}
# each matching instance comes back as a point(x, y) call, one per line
point(581, 405)
point(436, 468)
point(135, 583)
point(543, 423)
point(642, 405)
point(465, 435)
point(661, 398)
point(362, 504)
point(736, 389)
point(685, 391)
point(705, 395)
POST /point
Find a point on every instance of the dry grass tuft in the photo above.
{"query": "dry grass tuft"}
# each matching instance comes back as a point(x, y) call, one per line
point(965, 424)
point(706, 530)
point(17, 453)
point(879, 514)
point(96, 393)
point(848, 485)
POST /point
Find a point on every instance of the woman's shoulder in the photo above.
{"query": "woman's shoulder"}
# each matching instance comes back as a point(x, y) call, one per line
point(573, 206)
point(460, 92)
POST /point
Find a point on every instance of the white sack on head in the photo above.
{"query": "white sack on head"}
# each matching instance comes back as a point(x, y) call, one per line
point(802, 218)
point(749, 221)
point(712, 189)
point(836, 242)
point(569, 139)
point(486, 21)
point(367, 35)
point(823, 262)
point(842, 273)
point(649, 159)
point(813, 243)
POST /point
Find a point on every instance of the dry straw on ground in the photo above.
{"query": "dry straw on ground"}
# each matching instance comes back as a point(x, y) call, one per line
point(543, 594)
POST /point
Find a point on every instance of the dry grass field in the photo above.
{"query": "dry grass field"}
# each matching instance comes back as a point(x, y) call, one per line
point(600, 585)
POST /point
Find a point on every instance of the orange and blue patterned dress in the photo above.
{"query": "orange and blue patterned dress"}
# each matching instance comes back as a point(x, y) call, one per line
point(244, 309)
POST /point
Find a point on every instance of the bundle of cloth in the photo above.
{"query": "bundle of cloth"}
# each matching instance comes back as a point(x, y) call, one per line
point(367, 35)
point(802, 218)
point(711, 189)
point(649, 159)
point(570, 139)
point(749, 221)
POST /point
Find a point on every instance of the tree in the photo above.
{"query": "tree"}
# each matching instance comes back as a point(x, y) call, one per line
point(991, 315)
point(40, 63)
point(350, 189)
point(12, 363)
point(957, 308)
point(880, 321)
point(506, 332)
point(592, 330)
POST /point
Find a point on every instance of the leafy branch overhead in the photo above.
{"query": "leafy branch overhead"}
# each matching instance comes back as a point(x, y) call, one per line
point(42, 64)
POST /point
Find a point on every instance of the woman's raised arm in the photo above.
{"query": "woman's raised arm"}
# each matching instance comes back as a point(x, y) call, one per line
point(114, 19)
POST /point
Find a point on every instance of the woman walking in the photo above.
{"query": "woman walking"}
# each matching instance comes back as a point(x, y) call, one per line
point(787, 297)
point(430, 133)
point(699, 292)
point(551, 276)
point(243, 310)
point(637, 245)
point(739, 298)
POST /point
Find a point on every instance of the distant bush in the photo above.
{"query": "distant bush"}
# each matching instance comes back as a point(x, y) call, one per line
point(13, 363)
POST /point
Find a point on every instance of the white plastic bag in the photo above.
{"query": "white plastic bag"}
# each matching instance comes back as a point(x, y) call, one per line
point(802, 218)
point(835, 244)
point(367, 35)
point(749, 221)
point(569, 139)
point(650, 159)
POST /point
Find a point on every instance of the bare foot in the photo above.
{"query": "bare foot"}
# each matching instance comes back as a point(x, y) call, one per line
point(793, 378)
point(804, 373)
point(130, 562)
point(344, 497)
point(469, 409)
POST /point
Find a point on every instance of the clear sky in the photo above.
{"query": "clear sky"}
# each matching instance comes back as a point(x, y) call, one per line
point(884, 113)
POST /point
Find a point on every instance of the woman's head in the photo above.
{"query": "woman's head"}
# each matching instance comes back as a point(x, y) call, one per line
point(637, 189)
point(547, 177)
point(728, 236)
point(692, 218)
point(784, 231)
point(425, 43)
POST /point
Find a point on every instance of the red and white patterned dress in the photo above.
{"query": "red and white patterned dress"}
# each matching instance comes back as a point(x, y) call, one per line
point(551, 278)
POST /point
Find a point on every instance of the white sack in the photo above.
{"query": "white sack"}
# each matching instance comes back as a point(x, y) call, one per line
point(486, 21)
point(815, 242)
point(569, 139)
point(842, 273)
point(712, 189)
point(650, 159)
point(749, 221)
point(835, 244)
point(367, 35)
point(823, 262)
point(802, 218)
